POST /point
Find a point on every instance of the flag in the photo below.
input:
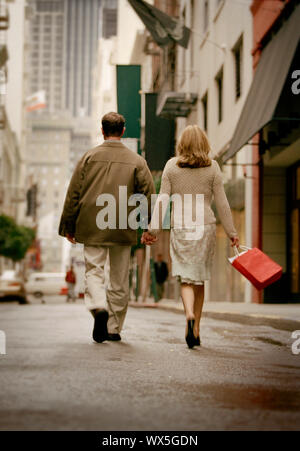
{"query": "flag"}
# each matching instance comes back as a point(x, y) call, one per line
point(36, 101)
point(163, 28)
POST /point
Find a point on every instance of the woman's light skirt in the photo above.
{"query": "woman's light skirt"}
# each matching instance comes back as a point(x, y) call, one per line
point(192, 258)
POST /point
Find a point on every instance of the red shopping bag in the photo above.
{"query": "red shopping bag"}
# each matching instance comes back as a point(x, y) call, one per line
point(257, 267)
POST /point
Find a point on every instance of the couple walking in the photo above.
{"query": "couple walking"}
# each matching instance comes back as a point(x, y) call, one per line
point(103, 170)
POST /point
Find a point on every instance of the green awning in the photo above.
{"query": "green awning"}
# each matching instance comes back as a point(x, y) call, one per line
point(268, 82)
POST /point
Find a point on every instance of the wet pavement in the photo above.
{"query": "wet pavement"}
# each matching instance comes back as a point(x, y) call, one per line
point(54, 377)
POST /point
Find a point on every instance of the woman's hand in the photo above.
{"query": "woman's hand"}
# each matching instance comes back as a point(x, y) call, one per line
point(70, 238)
point(235, 241)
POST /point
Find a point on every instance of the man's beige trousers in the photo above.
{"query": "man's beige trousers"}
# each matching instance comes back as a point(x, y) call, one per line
point(107, 282)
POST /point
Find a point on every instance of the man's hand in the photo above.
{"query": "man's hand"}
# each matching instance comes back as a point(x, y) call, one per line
point(148, 238)
point(70, 238)
point(235, 241)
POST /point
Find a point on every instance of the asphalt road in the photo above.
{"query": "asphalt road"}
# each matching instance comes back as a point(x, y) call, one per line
point(54, 377)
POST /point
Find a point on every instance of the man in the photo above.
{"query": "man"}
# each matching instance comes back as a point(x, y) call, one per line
point(71, 281)
point(161, 274)
point(96, 182)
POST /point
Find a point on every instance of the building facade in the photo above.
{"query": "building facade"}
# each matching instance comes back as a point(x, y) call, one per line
point(48, 157)
point(278, 153)
point(207, 84)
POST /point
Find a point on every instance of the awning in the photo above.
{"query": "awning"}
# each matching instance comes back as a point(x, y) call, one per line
point(269, 80)
point(163, 28)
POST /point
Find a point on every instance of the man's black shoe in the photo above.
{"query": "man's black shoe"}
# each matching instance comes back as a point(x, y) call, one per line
point(100, 325)
point(113, 337)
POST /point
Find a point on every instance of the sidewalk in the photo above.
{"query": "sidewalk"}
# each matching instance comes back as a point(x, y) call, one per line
point(278, 316)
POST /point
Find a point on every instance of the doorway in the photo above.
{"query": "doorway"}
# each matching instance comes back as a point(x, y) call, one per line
point(293, 227)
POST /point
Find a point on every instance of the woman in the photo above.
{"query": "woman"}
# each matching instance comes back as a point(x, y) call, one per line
point(192, 172)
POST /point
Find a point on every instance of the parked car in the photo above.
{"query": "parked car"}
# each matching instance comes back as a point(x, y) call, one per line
point(12, 287)
point(42, 283)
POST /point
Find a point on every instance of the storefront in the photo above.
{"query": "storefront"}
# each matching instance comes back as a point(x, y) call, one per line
point(270, 122)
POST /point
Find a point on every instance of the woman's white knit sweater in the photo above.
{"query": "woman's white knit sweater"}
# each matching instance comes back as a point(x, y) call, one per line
point(205, 180)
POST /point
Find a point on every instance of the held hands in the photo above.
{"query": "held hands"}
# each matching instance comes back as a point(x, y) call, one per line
point(148, 239)
point(235, 241)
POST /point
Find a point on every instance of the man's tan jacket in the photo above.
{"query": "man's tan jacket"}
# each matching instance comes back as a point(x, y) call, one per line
point(101, 171)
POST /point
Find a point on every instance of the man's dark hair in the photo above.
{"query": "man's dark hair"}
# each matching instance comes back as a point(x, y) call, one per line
point(113, 124)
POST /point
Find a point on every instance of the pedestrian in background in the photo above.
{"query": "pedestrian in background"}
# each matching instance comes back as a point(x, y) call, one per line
point(101, 171)
point(71, 281)
point(161, 275)
point(194, 172)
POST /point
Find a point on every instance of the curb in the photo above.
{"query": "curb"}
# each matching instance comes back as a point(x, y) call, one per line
point(250, 319)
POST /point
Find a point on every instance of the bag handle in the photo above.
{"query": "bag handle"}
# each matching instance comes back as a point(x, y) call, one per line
point(245, 248)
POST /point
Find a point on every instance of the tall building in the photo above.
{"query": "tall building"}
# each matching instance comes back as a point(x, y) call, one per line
point(82, 31)
point(108, 18)
point(63, 43)
point(48, 149)
point(47, 51)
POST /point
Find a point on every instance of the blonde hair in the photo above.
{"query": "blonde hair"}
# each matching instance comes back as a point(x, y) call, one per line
point(193, 148)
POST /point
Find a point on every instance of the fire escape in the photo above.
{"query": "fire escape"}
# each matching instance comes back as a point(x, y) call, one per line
point(171, 103)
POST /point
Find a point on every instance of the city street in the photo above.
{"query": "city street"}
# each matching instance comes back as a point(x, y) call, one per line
point(54, 377)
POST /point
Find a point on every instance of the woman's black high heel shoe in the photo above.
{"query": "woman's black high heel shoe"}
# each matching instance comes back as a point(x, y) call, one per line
point(197, 341)
point(190, 337)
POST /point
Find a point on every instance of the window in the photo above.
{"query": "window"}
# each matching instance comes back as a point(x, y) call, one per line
point(205, 15)
point(219, 82)
point(204, 107)
point(48, 6)
point(47, 19)
point(238, 58)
